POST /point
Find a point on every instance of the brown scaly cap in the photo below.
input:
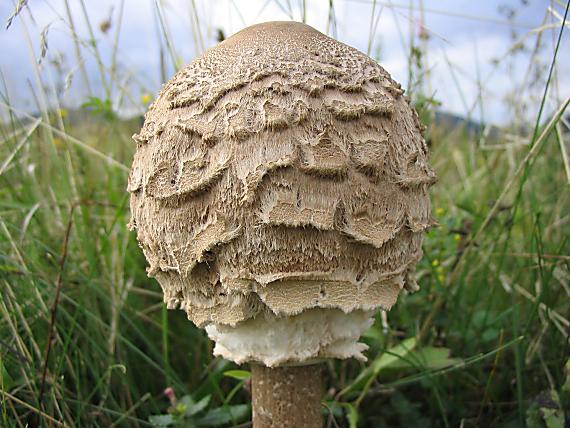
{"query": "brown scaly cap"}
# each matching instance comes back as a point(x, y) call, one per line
point(280, 171)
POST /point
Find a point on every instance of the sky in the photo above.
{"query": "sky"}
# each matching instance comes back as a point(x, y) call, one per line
point(469, 46)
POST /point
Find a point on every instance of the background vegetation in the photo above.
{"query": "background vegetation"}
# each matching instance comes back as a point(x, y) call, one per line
point(85, 339)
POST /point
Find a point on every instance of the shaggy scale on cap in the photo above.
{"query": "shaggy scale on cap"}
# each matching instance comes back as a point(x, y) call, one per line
point(279, 174)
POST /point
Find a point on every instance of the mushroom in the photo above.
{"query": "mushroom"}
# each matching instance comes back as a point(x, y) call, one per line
point(279, 191)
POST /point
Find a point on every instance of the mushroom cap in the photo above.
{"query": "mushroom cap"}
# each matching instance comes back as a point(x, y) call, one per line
point(280, 171)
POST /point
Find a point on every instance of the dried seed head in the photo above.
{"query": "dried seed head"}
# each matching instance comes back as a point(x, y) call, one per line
point(281, 172)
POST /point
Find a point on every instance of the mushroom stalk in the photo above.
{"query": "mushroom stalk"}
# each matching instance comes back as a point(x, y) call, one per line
point(287, 396)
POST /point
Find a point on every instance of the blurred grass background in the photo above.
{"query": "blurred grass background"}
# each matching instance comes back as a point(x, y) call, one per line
point(85, 339)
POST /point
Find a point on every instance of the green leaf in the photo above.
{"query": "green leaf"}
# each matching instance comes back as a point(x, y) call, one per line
point(545, 411)
point(426, 358)
point(554, 418)
point(161, 420)
point(393, 355)
point(224, 415)
point(490, 335)
point(238, 374)
point(351, 415)
point(373, 334)
point(194, 408)
point(384, 360)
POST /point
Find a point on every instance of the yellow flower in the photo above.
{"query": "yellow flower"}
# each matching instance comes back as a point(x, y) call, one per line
point(145, 98)
point(457, 237)
point(58, 142)
point(439, 212)
point(62, 112)
point(439, 270)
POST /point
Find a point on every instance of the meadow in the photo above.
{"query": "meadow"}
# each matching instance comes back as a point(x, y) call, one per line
point(86, 340)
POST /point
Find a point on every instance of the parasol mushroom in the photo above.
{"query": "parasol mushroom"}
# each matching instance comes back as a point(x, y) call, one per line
point(279, 191)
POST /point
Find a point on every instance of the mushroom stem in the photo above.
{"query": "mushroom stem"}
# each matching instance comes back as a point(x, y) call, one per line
point(287, 396)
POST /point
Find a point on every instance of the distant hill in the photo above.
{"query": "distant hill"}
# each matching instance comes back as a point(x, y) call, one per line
point(473, 128)
point(442, 120)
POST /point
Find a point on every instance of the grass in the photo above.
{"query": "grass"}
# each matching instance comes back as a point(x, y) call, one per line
point(85, 339)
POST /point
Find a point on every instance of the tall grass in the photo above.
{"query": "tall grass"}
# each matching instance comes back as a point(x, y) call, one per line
point(85, 339)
